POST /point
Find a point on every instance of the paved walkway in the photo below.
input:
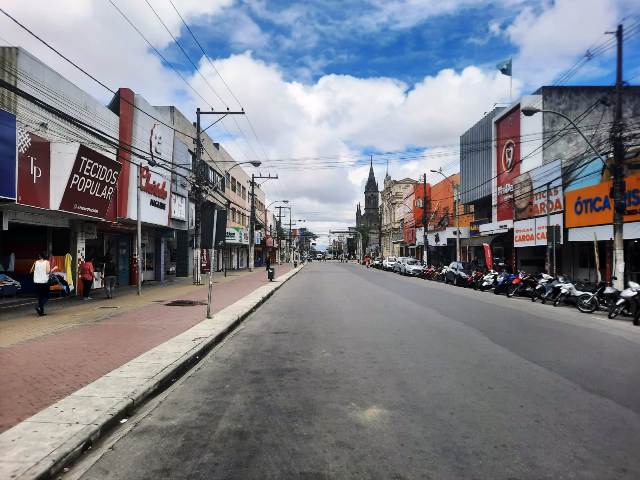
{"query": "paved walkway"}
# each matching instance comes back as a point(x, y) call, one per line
point(44, 359)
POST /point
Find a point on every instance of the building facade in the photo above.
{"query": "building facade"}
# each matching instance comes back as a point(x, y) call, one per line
point(392, 214)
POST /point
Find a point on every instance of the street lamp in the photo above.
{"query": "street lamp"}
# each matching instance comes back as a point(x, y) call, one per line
point(255, 163)
point(618, 197)
point(455, 208)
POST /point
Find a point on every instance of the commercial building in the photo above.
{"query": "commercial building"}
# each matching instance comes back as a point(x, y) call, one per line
point(392, 213)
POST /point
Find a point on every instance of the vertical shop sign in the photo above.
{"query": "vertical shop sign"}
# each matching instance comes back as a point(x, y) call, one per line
point(508, 162)
point(34, 170)
point(7, 155)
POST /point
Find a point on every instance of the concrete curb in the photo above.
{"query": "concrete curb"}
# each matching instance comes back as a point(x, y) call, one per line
point(40, 446)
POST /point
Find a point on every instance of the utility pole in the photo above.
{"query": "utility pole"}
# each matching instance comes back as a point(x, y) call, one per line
point(252, 218)
point(425, 226)
point(201, 179)
point(278, 227)
point(618, 172)
point(290, 240)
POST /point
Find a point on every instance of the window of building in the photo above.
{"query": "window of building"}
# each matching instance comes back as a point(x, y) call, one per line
point(233, 185)
point(244, 193)
point(227, 178)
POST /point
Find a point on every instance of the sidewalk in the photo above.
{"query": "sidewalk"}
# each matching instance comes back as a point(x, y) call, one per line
point(44, 359)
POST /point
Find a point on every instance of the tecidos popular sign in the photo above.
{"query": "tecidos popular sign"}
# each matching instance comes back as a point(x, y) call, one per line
point(91, 185)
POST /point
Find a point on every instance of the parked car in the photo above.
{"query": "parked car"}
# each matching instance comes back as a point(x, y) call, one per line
point(377, 262)
point(318, 256)
point(458, 273)
point(412, 267)
point(397, 267)
point(388, 263)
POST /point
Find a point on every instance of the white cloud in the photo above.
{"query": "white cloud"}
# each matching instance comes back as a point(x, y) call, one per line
point(340, 114)
point(549, 41)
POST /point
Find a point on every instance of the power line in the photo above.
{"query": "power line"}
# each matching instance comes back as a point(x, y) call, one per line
point(92, 77)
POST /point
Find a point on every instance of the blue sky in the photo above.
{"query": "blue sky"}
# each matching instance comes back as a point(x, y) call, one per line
point(312, 39)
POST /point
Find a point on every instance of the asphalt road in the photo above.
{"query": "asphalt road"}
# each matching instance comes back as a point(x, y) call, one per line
point(353, 373)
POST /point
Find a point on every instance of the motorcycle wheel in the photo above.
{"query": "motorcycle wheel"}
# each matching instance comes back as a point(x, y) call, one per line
point(558, 299)
point(587, 303)
point(511, 290)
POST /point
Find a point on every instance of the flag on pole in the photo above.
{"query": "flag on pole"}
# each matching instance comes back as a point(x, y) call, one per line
point(504, 67)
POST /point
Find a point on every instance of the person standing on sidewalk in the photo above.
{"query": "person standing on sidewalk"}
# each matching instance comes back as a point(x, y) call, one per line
point(86, 275)
point(109, 276)
point(41, 270)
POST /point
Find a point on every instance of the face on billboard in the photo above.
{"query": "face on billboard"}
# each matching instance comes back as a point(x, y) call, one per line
point(34, 172)
point(538, 192)
point(508, 162)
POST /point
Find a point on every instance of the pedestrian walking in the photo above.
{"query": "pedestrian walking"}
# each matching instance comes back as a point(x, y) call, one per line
point(110, 276)
point(86, 275)
point(41, 270)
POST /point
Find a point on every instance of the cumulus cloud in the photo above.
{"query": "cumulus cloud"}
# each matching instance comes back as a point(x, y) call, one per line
point(550, 39)
point(339, 115)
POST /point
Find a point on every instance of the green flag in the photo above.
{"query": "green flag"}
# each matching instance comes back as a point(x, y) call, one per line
point(504, 67)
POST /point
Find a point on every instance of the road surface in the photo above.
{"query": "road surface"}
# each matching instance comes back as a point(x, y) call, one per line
point(348, 372)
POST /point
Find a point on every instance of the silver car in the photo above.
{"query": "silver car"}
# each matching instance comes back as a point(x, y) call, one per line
point(388, 263)
point(397, 267)
point(412, 267)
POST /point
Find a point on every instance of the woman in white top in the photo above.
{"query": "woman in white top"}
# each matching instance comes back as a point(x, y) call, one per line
point(41, 269)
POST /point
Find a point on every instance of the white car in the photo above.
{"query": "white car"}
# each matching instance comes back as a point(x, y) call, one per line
point(397, 267)
point(388, 263)
point(412, 267)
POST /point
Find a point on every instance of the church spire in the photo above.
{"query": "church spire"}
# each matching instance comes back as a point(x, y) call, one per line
point(372, 185)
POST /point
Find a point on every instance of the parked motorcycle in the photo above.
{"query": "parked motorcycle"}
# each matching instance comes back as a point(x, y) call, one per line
point(488, 280)
point(524, 285)
point(604, 296)
point(628, 302)
point(504, 280)
point(569, 293)
point(553, 288)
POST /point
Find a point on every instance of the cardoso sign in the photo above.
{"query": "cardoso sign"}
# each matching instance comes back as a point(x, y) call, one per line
point(593, 206)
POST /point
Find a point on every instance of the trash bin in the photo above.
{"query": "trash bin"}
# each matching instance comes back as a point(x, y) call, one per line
point(271, 273)
point(295, 263)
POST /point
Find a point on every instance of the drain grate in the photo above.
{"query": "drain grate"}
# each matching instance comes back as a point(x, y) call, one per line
point(184, 303)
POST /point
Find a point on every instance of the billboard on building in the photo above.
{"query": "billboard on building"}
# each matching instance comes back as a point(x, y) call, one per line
point(34, 170)
point(532, 232)
point(507, 130)
point(7, 155)
point(532, 188)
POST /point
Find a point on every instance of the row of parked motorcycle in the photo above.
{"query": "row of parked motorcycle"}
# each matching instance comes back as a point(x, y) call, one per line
point(556, 290)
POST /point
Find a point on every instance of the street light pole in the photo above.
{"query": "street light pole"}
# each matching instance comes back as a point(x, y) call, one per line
point(252, 218)
point(616, 171)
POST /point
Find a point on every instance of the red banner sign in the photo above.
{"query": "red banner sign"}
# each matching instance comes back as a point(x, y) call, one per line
point(34, 171)
point(91, 185)
point(508, 162)
point(488, 259)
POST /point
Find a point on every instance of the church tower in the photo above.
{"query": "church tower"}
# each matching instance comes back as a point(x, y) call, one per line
point(371, 198)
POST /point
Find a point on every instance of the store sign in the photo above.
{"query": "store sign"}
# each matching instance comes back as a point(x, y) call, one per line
point(34, 170)
point(533, 231)
point(507, 162)
point(474, 228)
point(257, 240)
point(91, 185)
point(192, 215)
point(237, 235)
point(7, 155)
point(593, 206)
point(539, 191)
point(178, 207)
point(419, 236)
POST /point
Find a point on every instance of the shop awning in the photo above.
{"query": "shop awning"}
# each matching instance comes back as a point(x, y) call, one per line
point(476, 241)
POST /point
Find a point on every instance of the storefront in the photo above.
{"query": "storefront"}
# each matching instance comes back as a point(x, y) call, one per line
point(538, 205)
point(589, 219)
point(236, 248)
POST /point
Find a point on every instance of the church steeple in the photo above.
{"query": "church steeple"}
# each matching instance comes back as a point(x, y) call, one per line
point(372, 185)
